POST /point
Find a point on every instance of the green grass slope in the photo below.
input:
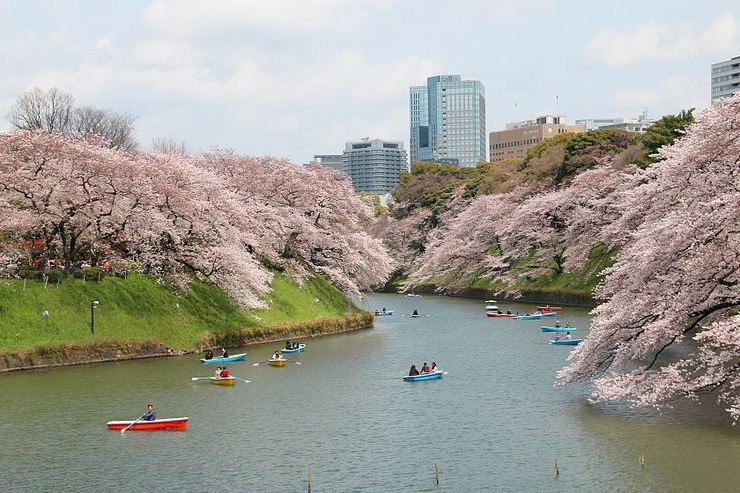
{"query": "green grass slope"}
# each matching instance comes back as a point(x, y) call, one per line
point(140, 308)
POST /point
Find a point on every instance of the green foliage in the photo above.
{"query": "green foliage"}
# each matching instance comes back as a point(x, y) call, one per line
point(141, 309)
point(662, 133)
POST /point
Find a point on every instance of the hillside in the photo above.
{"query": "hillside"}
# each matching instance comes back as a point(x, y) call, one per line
point(141, 309)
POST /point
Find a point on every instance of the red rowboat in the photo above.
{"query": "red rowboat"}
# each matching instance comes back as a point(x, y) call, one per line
point(157, 424)
point(499, 315)
point(548, 308)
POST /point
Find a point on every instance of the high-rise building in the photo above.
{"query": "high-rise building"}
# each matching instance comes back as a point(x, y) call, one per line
point(333, 161)
point(638, 124)
point(520, 136)
point(448, 121)
point(374, 165)
point(725, 78)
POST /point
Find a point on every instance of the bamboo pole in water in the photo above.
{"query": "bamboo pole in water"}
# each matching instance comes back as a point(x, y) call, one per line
point(308, 480)
point(436, 473)
point(557, 467)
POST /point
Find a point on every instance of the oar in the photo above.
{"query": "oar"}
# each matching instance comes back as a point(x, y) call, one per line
point(132, 424)
point(242, 380)
point(200, 378)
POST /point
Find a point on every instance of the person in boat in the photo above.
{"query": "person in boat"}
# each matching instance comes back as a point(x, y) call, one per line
point(425, 368)
point(295, 345)
point(434, 366)
point(288, 345)
point(276, 355)
point(209, 354)
point(557, 336)
point(500, 312)
point(508, 312)
point(557, 323)
point(224, 373)
point(217, 373)
point(383, 310)
point(224, 353)
point(415, 312)
point(567, 336)
point(413, 371)
point(149, 415)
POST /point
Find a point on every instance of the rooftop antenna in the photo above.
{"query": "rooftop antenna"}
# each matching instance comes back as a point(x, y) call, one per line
point(557, 108)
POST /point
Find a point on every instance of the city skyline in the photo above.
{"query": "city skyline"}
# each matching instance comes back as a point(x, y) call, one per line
point(295, 78)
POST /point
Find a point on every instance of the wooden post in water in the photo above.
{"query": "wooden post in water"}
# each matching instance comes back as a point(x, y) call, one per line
point(557, 467)
point(308, 480)
point(642, 460)
point(436, 474)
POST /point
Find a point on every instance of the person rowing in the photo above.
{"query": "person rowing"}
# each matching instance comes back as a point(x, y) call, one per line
point(276, 355)
point(415, 312)
point(413, 371)
point(217, 373)
point(288, 345)
point(149, 415)
point(209, 354)
point(224, 373)
point(224, 353)
point(425, 368)
point(557, 323)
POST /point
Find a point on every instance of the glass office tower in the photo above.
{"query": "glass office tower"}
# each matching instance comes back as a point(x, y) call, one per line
point(454, 123)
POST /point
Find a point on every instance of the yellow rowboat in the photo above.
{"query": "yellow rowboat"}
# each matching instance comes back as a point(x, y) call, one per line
point(278, 362)
point(223, 381)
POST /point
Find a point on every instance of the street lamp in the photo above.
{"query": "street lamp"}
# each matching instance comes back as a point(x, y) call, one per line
point(93, 304)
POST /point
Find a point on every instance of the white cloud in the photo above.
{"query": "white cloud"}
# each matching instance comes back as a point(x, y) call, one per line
point(686, 90)
point(655, 42)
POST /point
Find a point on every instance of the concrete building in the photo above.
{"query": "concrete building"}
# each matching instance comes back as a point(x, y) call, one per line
point(374, 165)
point(520, 136)
point(725, 78)
point(638, 124)
point(333, 161)
point(448, 121)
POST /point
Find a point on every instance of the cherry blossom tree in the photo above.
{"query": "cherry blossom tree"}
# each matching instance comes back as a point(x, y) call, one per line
point(220, 217)
point(675, 282)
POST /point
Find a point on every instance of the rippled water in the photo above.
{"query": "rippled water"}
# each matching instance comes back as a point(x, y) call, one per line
point(494, 423)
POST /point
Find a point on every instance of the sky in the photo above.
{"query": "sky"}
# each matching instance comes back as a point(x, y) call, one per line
point(294, 78)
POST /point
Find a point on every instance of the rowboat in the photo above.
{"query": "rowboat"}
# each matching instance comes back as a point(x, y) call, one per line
point(299, 349)
point(491, 308)
point(549, 314)
point(415, 315)
point(549, 308)
point(545, 328)
point(223, 380)
point(424, 376)
point(277, 362)
point(528, 317)
point(157, 424)
point(566, 342)
point(491, 302)
point(379, 313)
point(230, 359)
point(412, 295)
point(500, 315)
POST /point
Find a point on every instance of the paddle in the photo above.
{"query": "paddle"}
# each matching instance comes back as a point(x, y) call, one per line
point(242, 380)
point(287, 361)
point(209, 378)
point(132, 424)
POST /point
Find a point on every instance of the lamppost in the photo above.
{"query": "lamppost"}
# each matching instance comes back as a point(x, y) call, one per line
point(93, 304)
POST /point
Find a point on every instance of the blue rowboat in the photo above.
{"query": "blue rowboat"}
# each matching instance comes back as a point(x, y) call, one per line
point(379, 313)
point(549, 314)
point(528, 317)
point(557, 329)
point(230, 359)
point(566, 342)
point(299, 349)
point(424, 376)
point(415, 315)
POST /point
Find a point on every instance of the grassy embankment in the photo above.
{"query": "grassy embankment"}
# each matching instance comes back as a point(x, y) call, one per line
point(533, 282)
point(140, 309)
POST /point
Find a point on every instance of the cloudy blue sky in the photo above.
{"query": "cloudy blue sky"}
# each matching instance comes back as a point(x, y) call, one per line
point(297, 77)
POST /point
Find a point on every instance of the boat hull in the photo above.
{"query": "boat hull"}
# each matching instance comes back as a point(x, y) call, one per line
point(566, 342)
point(219, 360)
point(426, 376)
point(223, 380)
point(500, 315)
point(528, 317)
point(299, 349)
point(557, 329)
point(549, 314)
point(549, 308)
point(384, 314)
point(278, 362)
point(156, 425)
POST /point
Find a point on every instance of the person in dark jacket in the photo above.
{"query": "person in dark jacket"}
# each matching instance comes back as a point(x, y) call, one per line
point(150, 415)
point(413, 371)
